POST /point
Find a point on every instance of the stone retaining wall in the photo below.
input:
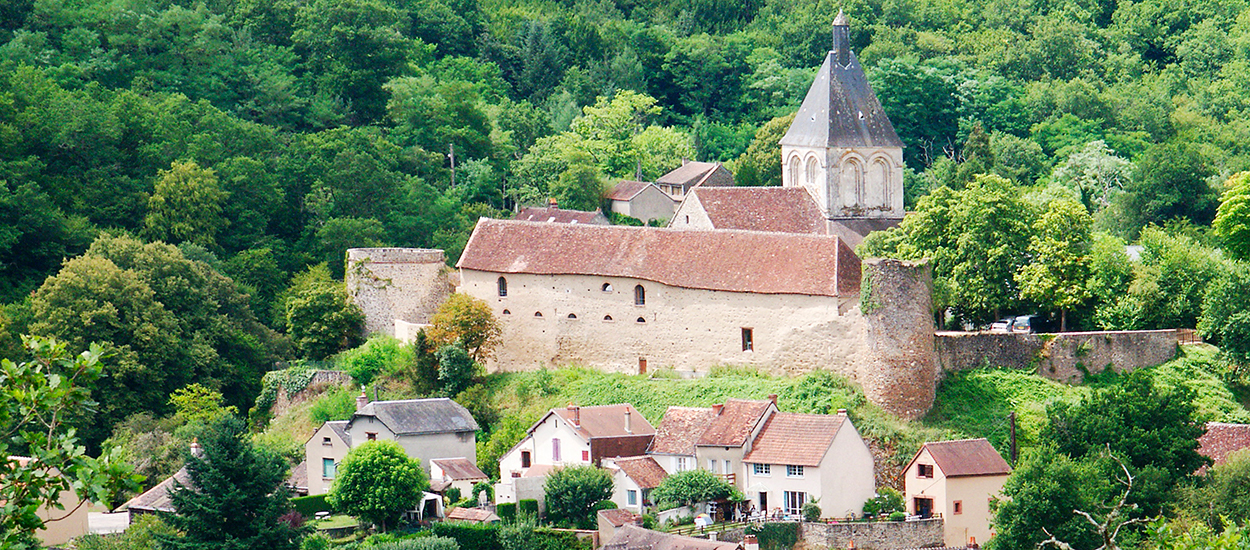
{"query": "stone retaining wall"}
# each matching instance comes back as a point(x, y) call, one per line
point(1065, 357)
point(874, 535)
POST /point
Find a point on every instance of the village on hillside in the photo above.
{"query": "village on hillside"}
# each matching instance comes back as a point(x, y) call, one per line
point(698, 364)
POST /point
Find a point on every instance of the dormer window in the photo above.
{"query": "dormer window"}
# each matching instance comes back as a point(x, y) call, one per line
point(503, 286)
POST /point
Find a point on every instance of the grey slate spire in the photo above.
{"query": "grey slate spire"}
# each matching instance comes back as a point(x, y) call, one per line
point(840, 109)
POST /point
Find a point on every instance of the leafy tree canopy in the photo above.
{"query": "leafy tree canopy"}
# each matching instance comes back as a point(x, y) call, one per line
point(377, 482)
point(572, 493)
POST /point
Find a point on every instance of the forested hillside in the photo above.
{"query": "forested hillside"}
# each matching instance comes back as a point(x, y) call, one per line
point(262, 137)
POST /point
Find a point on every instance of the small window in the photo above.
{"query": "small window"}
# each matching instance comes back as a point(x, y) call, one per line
point(683, 464)
point(516, 474)
point(506, 312)
point(607, 287)
point(711, 465)
point(555, 450)
point(763, 469)
point(538, 314)
point(924, 471)
point(794, 471)
point(640, 295)
point(525, 459)
point(959, 506)
point(503, 286)
point(585, 456)
point(571, 316)
point(371, 436)
point(640, 320)
point(326, 441)
point(748, 339)
point(327, 468)
point(687, 219)
point(632, 497)
point(607, 317)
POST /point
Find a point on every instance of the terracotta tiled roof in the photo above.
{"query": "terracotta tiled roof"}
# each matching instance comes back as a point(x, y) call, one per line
point(644, 470)
point(558, 215)
point(632, 537)
point(733, 425)
point(538, 470)
point(627, 190)
point(735, 261)
point(795, 439)
point(475, 515)
point(606, 421)
point(1221, 439)
point(679, 429)
point(689, 174)
point(459, 468)
point(157, 498)
point(618, 517)
point(966, 457)
point(779, 209)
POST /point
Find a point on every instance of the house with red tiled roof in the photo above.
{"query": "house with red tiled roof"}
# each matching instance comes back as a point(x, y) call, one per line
point(692, 174)
point(573, 436)
point(799, 458)
point(729, 436)
point(956, 480)
point(618, 298)
point(633, 479)
point(1222, 439)
point(459, 472)
point(673, 445)
point(555, 214)
point(640, 200)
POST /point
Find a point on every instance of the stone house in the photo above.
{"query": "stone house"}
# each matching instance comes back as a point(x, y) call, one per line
point(692, 174)
point(799, 458)
point(572, 436)
point(426, 429)
point(633, 478)
point(618, 297)
point(460, 473)
point(640, 200)
point(956, 480)
point(555, 214)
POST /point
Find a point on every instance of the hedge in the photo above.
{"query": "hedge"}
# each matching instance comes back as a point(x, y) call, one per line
point(471, 536)
point(528, 506)
point(506, 511)
point(776, 536)
point(309, 506)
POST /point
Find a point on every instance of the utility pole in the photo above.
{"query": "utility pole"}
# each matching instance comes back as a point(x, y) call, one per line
point(451, 148)
point(1012, 419)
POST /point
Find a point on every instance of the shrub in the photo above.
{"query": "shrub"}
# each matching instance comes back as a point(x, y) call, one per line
point(452, 494)
point(573, 492)
point(898, 516)
point(811, 512)
point(381, 354)
point(336, 404)
point(887, 501)
point(528, 506)
point(309, 506)
point(315, 541)
point(470, 536)
point(506, 511)
point(691, 487)
point(776, 536)
point(419, 543)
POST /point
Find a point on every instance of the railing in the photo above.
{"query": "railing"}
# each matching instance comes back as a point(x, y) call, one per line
point(731, 478)
point(1187, 336)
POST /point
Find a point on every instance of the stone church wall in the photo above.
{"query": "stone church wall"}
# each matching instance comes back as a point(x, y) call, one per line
point(683, 328)
point(390, 284)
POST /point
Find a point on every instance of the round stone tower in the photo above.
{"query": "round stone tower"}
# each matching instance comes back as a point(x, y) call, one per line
point(396, 285)
point(900, 373)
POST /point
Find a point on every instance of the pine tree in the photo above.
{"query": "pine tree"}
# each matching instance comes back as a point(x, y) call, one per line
point(235, 496)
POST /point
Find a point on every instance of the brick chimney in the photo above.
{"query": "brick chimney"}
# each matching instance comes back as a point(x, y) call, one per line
point(577, 415)
point(362, 399)
point(629, 425)
point(972, 542)
point(717, 408)
point(196, 451)
point(772, 397)
point(553, 204)
point(841, 412)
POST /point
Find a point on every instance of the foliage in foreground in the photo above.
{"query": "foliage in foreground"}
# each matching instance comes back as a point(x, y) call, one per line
point(572, 493)
point(377, 482)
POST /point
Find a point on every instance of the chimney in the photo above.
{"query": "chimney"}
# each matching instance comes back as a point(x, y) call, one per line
point(629, 425)
point(577, 415)
point(717, 408)
point(972, 542)
point(362, 399)
point(841, 412)
point(553, 204)
point(851, 546)
point(196, 451)
point(841, 40)
point(773, 397)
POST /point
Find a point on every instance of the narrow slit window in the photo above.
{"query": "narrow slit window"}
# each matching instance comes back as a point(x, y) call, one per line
point(572, 316)
point(503, 286)
point(640, 295)
point(748, 339)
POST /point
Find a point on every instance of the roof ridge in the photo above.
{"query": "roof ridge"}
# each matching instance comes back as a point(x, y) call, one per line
point(956, 440)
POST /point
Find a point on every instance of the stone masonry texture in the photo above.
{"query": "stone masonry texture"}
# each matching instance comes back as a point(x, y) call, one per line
point(900, 373)
point(396, 283)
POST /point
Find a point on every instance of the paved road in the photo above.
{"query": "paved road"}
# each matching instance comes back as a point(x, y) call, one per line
point(101, 523)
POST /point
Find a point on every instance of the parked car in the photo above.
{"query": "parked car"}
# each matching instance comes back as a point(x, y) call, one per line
point(1002, 325)
point(1032, 324)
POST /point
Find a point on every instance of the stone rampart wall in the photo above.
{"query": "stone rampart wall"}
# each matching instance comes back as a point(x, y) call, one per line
point(390, 284)
point(874, 535)
point(1064, 357)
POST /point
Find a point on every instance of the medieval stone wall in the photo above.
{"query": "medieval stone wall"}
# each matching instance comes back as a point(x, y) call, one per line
point(900, 373)
point(556, 320)
point(1065, 357)
point(875, 535)
point(407, 284)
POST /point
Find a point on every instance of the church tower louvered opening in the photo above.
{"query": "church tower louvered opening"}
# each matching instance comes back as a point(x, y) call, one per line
point(841, 146)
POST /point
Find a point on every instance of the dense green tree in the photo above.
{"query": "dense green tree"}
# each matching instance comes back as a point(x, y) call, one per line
point(1225, 319)
point(186, 206)
point(1170, 183)
point(921, 102)
point(455, 369)
point(377, 482)
point(320, 316)
point(1224, 497)
point(1058, 272)
point(572, 493)
point(692, 487)
point(234, 496)
point(1232, 219)
point(1042, 493)
point(37, 399)
point(579, 187)
point(760, 165)
point(1096, 173)
point(35, 238)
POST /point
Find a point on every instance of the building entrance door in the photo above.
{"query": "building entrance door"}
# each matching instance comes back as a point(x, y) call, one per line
point(924, 507)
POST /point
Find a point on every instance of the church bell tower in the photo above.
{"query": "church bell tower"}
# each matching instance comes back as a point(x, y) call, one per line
point(841, 146)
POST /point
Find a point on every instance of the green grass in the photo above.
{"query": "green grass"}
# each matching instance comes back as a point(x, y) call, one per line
point(334, 522)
